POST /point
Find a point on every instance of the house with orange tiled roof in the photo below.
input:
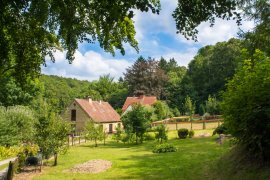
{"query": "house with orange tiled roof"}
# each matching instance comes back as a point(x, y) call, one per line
point(143, 100)
point(82, 110)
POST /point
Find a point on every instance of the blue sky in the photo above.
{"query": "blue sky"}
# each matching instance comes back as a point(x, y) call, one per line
point(157, 37)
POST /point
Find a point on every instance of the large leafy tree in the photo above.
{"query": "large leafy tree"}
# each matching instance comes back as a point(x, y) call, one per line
point(11, 93)
point(246, 108)
point(176, 87)
point(31, 30)
point(145, 77)
point(212, 67)
point(51, 132)
point(259, 37)
point(16, 125)
point(136, 121)
point(189, 14)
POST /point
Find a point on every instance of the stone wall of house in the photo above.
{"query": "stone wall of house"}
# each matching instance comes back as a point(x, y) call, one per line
point(114, 125)
point(81, 116)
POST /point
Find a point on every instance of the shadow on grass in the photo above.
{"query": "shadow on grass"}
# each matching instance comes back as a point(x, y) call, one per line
point(145, 145)
point(190, 162)
point(237, 164)
point(131, 161)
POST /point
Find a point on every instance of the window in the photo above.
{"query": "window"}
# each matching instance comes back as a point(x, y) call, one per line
point(110, 128)
point(73, 115)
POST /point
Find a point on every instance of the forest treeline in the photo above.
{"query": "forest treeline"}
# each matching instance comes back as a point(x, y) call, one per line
point(206, 75)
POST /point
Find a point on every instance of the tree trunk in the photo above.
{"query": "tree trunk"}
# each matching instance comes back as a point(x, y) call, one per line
point(104, 137)
point(55, 159)
point(95, 142)
point(191, 124)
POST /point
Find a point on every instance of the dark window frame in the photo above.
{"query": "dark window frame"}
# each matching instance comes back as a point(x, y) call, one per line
point(73, 115)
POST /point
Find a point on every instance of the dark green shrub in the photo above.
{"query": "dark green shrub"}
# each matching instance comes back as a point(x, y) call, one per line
point(221, 129)
point(182, 133)
point(31, 160)
point(163, 148)
point(191, 134)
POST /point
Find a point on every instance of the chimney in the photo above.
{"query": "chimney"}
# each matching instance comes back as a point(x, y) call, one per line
point(141, 97)
point(89, 100)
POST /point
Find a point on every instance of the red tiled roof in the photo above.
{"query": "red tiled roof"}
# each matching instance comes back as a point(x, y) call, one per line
point(99, 111)
point(144, 100)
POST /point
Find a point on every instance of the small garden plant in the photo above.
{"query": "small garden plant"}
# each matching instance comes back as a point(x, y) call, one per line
point(163, 148)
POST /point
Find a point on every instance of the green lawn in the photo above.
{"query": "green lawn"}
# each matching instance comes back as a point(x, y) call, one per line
point(192, 161)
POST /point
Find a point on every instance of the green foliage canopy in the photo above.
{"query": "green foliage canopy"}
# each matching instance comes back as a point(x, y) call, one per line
point(31, 30)
point(162, 110)
point(246, 108)
point(210, 69)
point(16, 125)
point(212, 105)
point(136, 121)
point(145, 77)
point(51, 132)
point(94, 132)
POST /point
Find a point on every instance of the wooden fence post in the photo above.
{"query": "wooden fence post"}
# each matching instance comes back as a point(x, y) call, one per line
point(10, 172)
point(204, 125)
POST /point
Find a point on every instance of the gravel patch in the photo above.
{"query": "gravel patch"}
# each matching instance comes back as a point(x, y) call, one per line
point(93, 166)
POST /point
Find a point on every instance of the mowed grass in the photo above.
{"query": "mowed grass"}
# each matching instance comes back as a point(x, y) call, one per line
point(192, 161)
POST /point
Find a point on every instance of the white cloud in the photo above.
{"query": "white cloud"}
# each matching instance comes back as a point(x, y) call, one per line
point(222, 31)
point(148, 24)
point(88, 66)
point(157, 37)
